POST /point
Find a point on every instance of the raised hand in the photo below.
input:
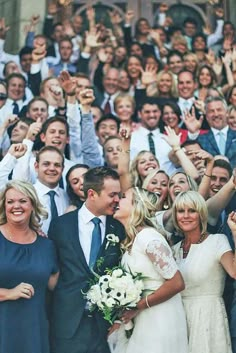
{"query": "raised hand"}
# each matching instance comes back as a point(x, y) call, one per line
point(86, 97)
point(227, 58)
point(115, 17)
point(68, 29)
point(67, 82)
point(129, 15)
point(3, 28)
point(192, 123)
point(90, 13)
point(23, 290)
point(34, 130)
point(64, 3)
point(232, 222)
point(125, 131)
point(204, 155)
point(34, 20)
point(17, 150)
point(39, 52)
point(217, 66)
point(102, 55)
point(171, 137)
point(148, 75)
point(92, 39)
point(52, 8)
point(210, 57)
point(11, 120)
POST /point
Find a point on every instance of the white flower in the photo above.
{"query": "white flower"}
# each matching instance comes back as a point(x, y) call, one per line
point(94, 294)
point(112, 239)
point(110, 302)
point(104, 280)
point(117, 273)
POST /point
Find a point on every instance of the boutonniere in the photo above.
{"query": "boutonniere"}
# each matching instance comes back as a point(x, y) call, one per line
point(112, 239)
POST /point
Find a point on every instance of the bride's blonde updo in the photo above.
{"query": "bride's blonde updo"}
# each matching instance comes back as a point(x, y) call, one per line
point(145, 205)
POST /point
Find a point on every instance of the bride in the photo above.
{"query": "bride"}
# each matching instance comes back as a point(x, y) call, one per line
point(159, 319)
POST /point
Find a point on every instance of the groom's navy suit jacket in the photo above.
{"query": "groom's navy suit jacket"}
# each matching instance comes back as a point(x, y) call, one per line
point(68, 298)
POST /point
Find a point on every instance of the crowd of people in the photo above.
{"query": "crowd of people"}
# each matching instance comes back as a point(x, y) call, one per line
point(105, 131)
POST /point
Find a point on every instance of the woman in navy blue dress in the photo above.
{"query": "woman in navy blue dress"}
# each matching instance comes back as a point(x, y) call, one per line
point(28, 267)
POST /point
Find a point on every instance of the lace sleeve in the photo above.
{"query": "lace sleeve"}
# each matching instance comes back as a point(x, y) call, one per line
point(162, 258)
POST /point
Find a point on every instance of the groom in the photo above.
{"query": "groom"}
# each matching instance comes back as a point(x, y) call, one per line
point(82, 247)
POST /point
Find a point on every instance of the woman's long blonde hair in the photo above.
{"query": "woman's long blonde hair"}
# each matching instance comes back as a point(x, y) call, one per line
point(135, 176)
point(145, 205)
point(38, 213)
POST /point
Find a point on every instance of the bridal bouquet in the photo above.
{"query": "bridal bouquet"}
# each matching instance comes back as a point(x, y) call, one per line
point(114, 292)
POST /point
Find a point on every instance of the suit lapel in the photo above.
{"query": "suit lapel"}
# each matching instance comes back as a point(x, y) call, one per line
point(74, 229)
point(230, 137)
point(212, 141)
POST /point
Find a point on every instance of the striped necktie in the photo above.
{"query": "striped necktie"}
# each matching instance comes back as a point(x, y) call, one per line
point(151, 143)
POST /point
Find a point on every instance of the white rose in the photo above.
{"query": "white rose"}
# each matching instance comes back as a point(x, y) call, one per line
point(110, 302)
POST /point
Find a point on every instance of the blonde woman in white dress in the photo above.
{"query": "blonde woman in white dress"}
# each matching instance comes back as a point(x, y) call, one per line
point(159, 319)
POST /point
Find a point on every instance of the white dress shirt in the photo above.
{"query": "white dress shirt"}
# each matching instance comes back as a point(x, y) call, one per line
point(185, 104)
point(224, 132)
point(111, 101)
point(86, 227)
point(139, 142)
point(61, 201)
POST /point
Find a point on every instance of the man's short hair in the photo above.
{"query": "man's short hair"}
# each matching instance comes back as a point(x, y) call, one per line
point(49, 149)
point(222, 163)
point(94, 178)
point(148, 100)
point(15, 75)
point(54, 119)
point(108, 117)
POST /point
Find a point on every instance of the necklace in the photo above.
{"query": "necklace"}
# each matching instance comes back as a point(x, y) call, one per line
point(186, 251)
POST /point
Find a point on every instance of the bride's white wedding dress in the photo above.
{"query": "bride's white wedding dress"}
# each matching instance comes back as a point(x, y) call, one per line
point(162, 328)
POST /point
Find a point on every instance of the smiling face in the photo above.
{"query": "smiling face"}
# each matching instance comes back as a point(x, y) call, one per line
point(124, 109)
point(16, 88)
point(76, 180)
point(145, 163)
point(216, 115)
point(159, 185)
point(18, 207)
point(106, 129)
point(169, 117)
point(232, 98)
point(49, 168)
point(56, 135)
point(110, 81)
point(177, 184)
point(205, 79)
point(105, 202)
point(38, 110)
point(232, 119)
point(165, 84)
point(219, 177)
point(188, 219)
point(186, 85)
point(134, 68)
point(19, 132)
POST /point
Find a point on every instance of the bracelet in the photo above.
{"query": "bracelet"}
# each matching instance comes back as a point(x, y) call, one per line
point(146, 300)
point(209, 176)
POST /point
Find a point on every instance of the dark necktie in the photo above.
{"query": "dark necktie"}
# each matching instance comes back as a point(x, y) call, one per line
point(151, 143)
point(15, 108)
point(96, 241)
point(54, 212)
point(107, 107)
point(61, 183)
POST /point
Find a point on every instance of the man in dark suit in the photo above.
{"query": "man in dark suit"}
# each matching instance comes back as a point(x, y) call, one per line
point(220, 139)
point(76, 235)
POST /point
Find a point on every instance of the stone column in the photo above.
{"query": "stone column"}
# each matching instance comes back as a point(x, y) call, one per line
point(17, 14)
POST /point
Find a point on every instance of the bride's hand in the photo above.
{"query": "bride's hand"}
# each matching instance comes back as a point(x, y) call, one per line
point(113, 328)
point(129, 315)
